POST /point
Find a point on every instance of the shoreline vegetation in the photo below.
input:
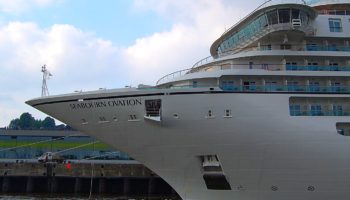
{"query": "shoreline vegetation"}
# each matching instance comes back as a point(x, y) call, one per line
point(27, 122)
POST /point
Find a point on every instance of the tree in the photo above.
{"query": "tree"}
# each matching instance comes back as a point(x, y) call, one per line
point(26, 121)
point(48, 123)
point(14, 124)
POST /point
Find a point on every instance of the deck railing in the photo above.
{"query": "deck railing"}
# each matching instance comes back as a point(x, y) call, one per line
point(317, 68)
point(320, 112)
point(173, 75)
point(268, 67)
point(286, 88)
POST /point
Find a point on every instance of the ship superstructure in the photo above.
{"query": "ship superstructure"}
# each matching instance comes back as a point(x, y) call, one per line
point(265, 117)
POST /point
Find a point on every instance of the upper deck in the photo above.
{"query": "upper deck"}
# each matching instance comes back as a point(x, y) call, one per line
point(264, 20)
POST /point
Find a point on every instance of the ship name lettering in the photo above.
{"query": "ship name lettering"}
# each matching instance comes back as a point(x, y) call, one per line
point(102, 104)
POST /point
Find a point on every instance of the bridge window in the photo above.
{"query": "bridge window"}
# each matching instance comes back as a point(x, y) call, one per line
point(335, 25)
point(284, 15)
point(272, 17)
point(295, 14)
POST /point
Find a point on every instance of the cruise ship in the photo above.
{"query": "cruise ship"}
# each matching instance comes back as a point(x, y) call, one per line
point(265, 117)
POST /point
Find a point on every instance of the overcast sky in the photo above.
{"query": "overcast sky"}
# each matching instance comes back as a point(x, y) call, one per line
point(102, 44)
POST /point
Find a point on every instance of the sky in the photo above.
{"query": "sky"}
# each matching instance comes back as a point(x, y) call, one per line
point(91, 44)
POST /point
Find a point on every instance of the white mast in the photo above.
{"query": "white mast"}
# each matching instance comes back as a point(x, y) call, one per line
point(46, 76)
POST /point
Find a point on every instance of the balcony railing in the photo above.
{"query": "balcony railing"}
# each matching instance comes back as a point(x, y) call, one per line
point(320, 112)
point(286, 88)
point(326, 48)
point(317, 68)
point(268, 67)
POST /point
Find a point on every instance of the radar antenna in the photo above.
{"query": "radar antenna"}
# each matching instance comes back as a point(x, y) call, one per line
point(46, 76)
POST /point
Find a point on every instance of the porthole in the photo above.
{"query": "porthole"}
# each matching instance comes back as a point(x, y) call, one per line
point(210, 114)
point(274, 188)
point(227, 113)
point(103, 120)
point(311, 188)
point(83, 121)
point(115, 118)
point(175, 115)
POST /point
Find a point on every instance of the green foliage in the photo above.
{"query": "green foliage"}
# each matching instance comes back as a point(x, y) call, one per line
point(14, 124)
point(48, 123)
point(27, 122)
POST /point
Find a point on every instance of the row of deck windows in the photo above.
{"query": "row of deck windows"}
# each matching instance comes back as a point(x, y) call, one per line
point(272, 17)
point(307, 47)
point(292, 86)
point(289, 66)
point(317, 110)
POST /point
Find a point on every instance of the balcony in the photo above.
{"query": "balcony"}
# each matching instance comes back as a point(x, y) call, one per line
point(313, 47)
point(319, 113)
point(316, 68)
point(286, 88)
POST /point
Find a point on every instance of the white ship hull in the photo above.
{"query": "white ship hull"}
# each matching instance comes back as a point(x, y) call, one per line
point(265, 153)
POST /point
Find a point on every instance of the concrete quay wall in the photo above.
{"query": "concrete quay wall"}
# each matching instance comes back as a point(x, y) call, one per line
point(118, 180)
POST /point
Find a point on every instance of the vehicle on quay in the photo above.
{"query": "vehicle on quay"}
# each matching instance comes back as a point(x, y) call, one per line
point(50, 157)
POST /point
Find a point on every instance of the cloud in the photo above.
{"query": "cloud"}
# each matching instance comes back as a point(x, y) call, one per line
point(196, 25)
point(77, 60)
point(19, 6)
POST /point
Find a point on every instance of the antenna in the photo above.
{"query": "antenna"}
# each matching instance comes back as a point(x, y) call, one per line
point(46, 76)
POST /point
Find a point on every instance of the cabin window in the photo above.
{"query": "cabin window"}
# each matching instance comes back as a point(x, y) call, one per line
point(195, 84)
point(335, 25)
point(291, 66)
point(337, 110)
point(249, 85)
point(316, 110)
point(334, 66)
point(295, 110)
point(314, 86)
point(227, 85)
point(293, 86)
point(311, 47)
point(284, 15)
point(336, 87)
point(271, 86)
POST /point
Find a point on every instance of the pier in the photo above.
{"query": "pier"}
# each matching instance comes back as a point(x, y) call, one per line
point(122, 179)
